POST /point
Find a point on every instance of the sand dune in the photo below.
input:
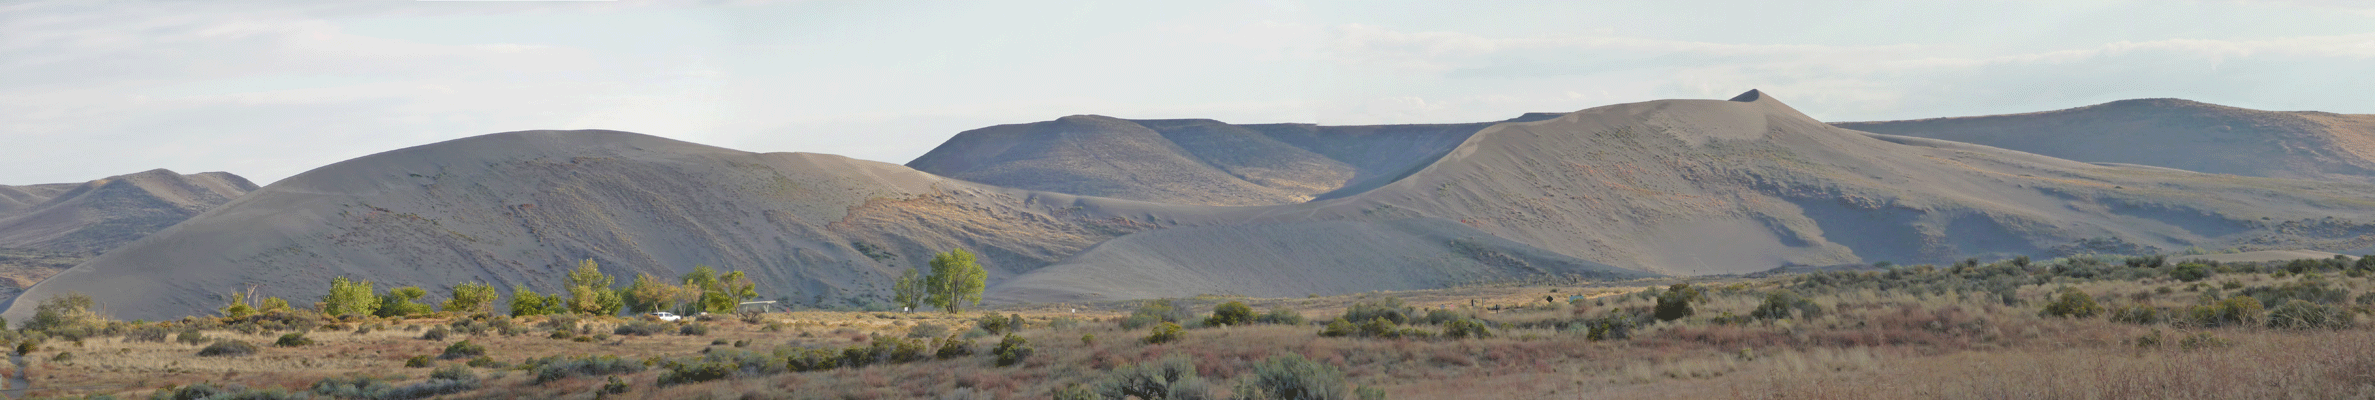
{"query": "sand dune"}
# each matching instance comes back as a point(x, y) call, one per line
point(2173, 133)
point(1671, 186)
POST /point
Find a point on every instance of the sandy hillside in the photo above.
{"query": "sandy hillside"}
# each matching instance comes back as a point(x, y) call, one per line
point(1705, 186)
point(47, 228)
point(1192, 161)
point(519, 208)
point(2173, 133)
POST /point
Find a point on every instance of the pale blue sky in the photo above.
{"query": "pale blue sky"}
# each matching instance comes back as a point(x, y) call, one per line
point(268, 89)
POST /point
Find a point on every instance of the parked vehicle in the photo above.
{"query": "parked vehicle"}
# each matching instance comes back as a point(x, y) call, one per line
point(664, 316)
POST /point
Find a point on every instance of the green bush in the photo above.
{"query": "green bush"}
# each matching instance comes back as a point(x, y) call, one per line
point(418, 362)
point(952, 347)
point(693, 329)
point(190, 337)
point(1466, 328)
point(615, 386)
point(1012, 350)
point(1676, 302)
point(995, 324)
point(1610, 327)
point(1230, 313)
point(294, 339)
point(1165, 333)
point(1783, 304)
point(1173, 377)
point(1391, 309)
point(463, 349)
point(2072, 303)
point(555, 368)
point(1282, 316)
point(227, 347)
point(1292, 377)
point(438, 333)
point(678, 374)
point(1339, 328)
point(2202, 340)
point(641, 328)
point(2302, 314)
point(2238, 310)
point(2191, 272)
point(2140, 314)
point(1153, 312)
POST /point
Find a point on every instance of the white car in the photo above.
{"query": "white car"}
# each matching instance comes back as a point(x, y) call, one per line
point(664, 316)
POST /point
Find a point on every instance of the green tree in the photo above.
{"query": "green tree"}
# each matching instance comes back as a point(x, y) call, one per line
point(1230, 313)
point(350, 297)
point(590, 292)
point(239, 307)
point(273, 305)
point(525, 302)
point(471, 298)
point(909, 290)
point(66, 311)
point(648, 294)
point(957, 281)
point(399, 302)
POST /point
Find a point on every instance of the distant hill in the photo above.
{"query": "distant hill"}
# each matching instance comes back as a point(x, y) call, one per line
point(521, 207)
point(1668, 186)
point(47, 228)
point(1193, 161)
point(2173, 133)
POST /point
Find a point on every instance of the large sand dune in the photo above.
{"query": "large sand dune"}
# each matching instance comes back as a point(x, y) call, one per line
point(1673, 186)
point(2173, 133)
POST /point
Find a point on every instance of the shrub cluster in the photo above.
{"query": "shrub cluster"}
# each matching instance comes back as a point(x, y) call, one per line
point(227, 347)
point(555, 368)
point(1012, 350)
point(463, 349)
point(1156, 311)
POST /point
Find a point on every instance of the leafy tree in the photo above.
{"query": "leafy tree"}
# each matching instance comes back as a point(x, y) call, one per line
point(590, 293)
point(472, 298)
point(525, 302)
point(957, 281)
point(648, 294)
point(238, 307)
point(69, 310)
point(399, 302)
point(909, 291)
point(703, 278)
point(273, 305)
point(350, 297)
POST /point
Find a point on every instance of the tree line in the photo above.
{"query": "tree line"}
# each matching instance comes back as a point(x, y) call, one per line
point(588, 292)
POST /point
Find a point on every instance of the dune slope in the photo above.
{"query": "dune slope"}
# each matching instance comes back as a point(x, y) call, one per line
point(2173, 133)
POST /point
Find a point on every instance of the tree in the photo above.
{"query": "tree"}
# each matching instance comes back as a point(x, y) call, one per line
point(70, 310)
point(909, 290)
point(648, 294)
point(525, 302)
point(472, 298)
point(399, 302)
point(350, 297)
point(273, 305)
point(238, 307)
point(1230, 313)
point(956, 281)
point(590, 293)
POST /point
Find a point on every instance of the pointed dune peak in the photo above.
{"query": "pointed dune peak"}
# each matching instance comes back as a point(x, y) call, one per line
point(1751, 96)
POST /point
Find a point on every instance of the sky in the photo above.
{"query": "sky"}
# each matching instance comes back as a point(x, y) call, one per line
point(270, 89)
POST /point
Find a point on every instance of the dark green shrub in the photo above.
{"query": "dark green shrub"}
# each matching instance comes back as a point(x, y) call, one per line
point(555, 368)
point(2238, 310)
point(927, 330)
point(2140, 314)
point(1230, 313)
point(1676, 302)
point(190, 337)
point(2151, 340)
point(994, 324)
point(1339, 328)
point(463, 349)
point(2202, 340)
point(292, 340)
point(1012, 350)
point(436, 333)
point(615, 386)
point(2072, 303)
point(1282, 316)
point(1466, 328)
point(641, 328)
point(418, 362)
point(1077, 392)
point(1292, 377)
point(693, 329)
point(227, 347)
point(1391, 309)
point(1156, 311)
point(1610, 327)
point(952, 347)
point(1165, 333)
point(486, 362)
point(1783, 304)
point(227, 391)
point(2191, 272)
point(678, 374)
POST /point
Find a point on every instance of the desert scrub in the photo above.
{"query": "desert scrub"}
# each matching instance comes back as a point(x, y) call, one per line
point(1230, 313)
point(1155, 311)
point(555, 368)
point(1172, 377)
point(227, 347)
point(1290, 376)
point(1165, 333)
point(2302, 314)
point(419, 362)
point(190, 337)
point(641, 328)
point(293, 339)
point(463, 349)
point(1466, 328)
point(2072, 303)
point(438, 333)
point(693, 329)
point(1012, 350)
point(952, 347)
point(1281, 316)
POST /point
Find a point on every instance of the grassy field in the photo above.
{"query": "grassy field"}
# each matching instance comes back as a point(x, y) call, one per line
point(1968, 331)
